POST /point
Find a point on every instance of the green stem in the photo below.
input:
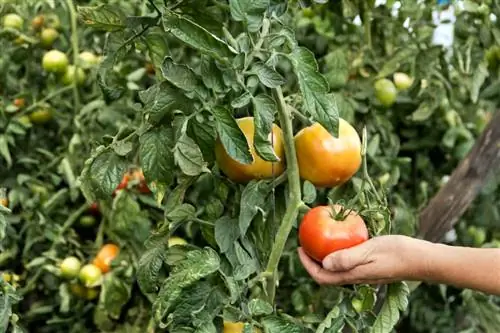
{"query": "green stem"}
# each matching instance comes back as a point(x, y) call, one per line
point(294, 202)
point(74, 45)
point(367, 24)
point(46, 98)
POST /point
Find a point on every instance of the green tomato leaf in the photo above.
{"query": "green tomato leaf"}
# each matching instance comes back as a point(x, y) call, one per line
point(276, 324)
point(242, 101)
point(4, 150)
point(162, 99)
point(104, 17)
point(211, 75)
point(204, 133)
point(157, 44)
point(395, 301)
point(151, 263)
point(102, 173)
point(247, 263)
point(258, 307)
point(334, 322)
point(231, 136)
point(181, 213)
point(253, 201)
point(249, 11)
point(197, 265)
point(181, 76)
point(480, 76)
point(226, 232)
point(115, 293)
point(314, 88)
point(264, 109)
point(337, 68)
point(400, 56)
point(157, 159)
point(127, 221)
point(196, 36)
point(189, 156)
point(267, 75)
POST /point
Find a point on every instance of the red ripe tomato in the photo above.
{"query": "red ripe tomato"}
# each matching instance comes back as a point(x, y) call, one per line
point(321, 233)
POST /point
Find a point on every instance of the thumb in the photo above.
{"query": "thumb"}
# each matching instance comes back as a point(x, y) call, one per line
point(347, 259)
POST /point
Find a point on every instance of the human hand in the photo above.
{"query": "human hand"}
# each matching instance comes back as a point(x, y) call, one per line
point(379, 260)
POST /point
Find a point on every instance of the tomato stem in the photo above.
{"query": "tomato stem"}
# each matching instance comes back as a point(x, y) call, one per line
point(367, 25)
point(74, 46)
point(295, 201)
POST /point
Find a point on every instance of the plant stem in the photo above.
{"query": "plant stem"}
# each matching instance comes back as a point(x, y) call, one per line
point(74, 46)
point(46, 98)
point(367, 24)
point(294, 202)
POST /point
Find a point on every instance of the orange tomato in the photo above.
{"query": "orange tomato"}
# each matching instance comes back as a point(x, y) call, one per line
point(320, 233)
point(105, 256)
point(19, 102)
point(259, 168)
point(238, 327)
point(327, 161)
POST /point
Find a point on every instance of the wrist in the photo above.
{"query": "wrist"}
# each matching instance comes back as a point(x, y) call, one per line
point(418, 256)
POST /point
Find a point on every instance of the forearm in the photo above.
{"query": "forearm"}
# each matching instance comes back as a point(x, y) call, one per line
point(463, 267)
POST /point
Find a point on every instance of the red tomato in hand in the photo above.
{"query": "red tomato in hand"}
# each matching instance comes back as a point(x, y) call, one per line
point(320, 233)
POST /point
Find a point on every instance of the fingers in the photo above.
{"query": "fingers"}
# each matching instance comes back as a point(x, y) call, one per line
point(346, 260)
point(322, 276)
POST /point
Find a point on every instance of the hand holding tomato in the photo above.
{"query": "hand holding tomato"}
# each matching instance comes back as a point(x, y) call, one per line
point(379, 260)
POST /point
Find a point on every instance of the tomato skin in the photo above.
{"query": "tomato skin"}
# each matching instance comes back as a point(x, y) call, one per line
point(88, 221)
point(37, 22)
point(40, 116)
point(19, 102)
point(90, 275)
point(402, 81)
point(320, 234)
point(48, 36)
point(94, 209)
point(385, 92)
point(230, 327)
point(82, 292)
point(55, 61)
point(105, 256)
point(70, 267)
point(73, 74)
point(327, 161)
point(88, 59)
point(259, 168)
point(13, 21)
point(174, 240)
point(138, 175)
point(4, 202)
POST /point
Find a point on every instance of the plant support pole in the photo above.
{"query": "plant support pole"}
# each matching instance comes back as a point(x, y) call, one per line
point(295, 200)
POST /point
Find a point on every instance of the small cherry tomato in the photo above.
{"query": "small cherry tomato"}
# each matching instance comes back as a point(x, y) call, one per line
point(73, 74)
point(53, 21)
point(48, 36)
point(174, 240)
point(385, 92)
point(70, 267)
point(13, 21)
point(259, 168)
point(230, 327)
point(40, 116)
point(105, 256)
point(88, 221)
point(4, 202)
point(19, 102)
point(142, 186)
point(88, 59)
point(25, 120)
point(321, 233)
point(327, 161)
point(82, 292)
point(55, 61)
point(402, 81)
point(90, 275)
point(37, 22)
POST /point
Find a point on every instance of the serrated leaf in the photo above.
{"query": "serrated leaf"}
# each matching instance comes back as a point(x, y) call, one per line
point(196, 36)
point(4, 150)
point(264, 109)
point(157, 44)
point(253, 200)
point(226, 232)
point(155, 154)
point(275, 324)
point(211, 75)
point(333, 323)
point(242, 100)
point(180, 76)
point(314, 89)
point(231, 136)
point(197, 265)
point(105, 17)
point(247, 263)
point(181, 213)
point(189, 157)
point(128, 221)
point(480, 76)
point(258, 307)
point(309, 192)
point(267, 75)
point(101, 174)
point(249, 11)
point(396, 300)
point(162, 99)
point(150, 265)
point(205, 135)
point(337, 68)
point(114, 294)
point(424, 110)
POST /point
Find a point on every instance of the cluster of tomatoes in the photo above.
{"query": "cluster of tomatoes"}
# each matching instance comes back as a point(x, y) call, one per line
point(45, 33)
point(325, 161)
point(85, 280)
point(386, 91)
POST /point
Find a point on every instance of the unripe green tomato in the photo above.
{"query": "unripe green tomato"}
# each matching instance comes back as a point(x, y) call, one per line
point(478, 234)
point(53, 21)
point(25, 120)
point(48, 36)
point(88, 59)
point(70, 267)
point(90, 275)
point(40, 116)
point(82, 292)
point(385, 92)
point(357, 305)
point(73, 73)
point(87, 221)
point(37, 22)
point(174, 240)
point(13, 21)
point(402, 81)
point(55, 61)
